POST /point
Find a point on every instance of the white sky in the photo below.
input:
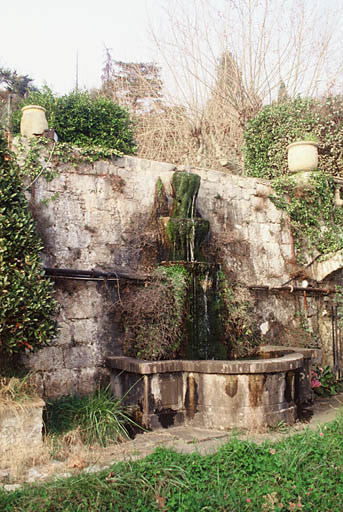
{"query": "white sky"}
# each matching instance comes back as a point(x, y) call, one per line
point(40, 38)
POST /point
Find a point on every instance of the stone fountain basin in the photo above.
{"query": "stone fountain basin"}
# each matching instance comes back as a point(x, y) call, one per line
point(251, 394)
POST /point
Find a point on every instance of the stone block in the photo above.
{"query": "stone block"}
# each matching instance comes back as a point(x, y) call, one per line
point(21, 425)
point(60, 383)
point(286, 251)
point(263, 190)
point(65, 333)
point(85, 302)
point(274, 214)
point(101, 167)
point(81, 356)
point(87, 381)
point(85, 331)
point(47, 358)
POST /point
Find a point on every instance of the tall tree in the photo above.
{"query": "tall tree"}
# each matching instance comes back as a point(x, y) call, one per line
point(226, 58)
point(13, 88)
point(19, 85)
point(134, 85)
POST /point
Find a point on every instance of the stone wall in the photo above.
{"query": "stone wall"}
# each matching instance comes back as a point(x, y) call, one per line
point(101, 217)
point(21, 426)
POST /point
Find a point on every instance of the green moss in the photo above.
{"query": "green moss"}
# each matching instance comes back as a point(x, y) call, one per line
point(187, 236)
point(186, 232)
point(205, 327)
point(185, 187)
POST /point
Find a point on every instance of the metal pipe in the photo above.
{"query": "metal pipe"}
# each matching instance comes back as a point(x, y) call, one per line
point(291, 289)
point(92, 275)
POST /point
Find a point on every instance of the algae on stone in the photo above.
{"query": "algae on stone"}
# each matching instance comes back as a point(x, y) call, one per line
point(185, 230)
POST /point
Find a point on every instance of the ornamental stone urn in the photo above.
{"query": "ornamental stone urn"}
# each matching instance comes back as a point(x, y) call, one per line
point(33, 122)
point(303, 156)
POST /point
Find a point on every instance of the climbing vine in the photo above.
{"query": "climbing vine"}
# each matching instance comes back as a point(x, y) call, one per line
point(267, 135)
point(317, 223)
point(41, 157)
point(27, 304)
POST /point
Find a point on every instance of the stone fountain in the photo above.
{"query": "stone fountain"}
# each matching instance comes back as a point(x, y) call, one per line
point(206, 389)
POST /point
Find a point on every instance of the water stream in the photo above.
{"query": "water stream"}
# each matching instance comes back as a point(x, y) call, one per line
point(187, 232)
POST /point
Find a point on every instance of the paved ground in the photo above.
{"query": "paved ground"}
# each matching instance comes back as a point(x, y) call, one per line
point(181, 439)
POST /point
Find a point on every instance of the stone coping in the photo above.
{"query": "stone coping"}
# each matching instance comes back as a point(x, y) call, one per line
point(277, 351)
point(22, 405)
point(284, 363)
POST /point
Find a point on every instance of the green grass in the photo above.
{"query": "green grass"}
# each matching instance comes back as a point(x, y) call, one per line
point(98, 417)
point(303, 472)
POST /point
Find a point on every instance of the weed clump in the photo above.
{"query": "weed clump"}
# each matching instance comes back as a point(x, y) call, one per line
point(99, 418)
point(153, 317)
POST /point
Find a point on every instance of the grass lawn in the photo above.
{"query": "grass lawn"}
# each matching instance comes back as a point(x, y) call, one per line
point(303, 472)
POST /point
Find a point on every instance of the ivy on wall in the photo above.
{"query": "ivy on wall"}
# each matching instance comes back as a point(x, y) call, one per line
point(317, 224)
point(276, 126)
point(27, 303)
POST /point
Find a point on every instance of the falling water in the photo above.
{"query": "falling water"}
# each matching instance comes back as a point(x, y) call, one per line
point(187, 231)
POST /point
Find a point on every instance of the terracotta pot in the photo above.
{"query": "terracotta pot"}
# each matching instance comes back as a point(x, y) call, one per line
point(303, 156)
point(33, 121)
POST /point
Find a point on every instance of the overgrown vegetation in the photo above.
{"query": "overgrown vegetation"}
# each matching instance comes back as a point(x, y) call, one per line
point(153, 316)
point(99, 417)
point(267, 135)
point(323, 381)
point(17, 391)
point(302, 472)
point(27, 305)
point(40, 157)
point(317, 223)
point(83, 120)
point(240, 331)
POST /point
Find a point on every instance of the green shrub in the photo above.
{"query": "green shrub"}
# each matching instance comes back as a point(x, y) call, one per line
point(267, 135)
point(83, 120)
point(27, 305)
point(99, 417)
point(317, 224)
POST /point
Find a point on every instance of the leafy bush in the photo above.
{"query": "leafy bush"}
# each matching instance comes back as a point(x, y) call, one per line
point(324, 382)
point(317, 223)
point(82, 119)
point(100, 417)
point(267, 135)
point(154, 316)
point(27, 305)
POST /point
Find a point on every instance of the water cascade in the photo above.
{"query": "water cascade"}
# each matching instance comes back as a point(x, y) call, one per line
point(187, 232)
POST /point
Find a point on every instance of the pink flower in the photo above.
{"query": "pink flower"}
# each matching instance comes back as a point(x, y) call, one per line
point(321, 434)
point(315, 383)
point(248, 500)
